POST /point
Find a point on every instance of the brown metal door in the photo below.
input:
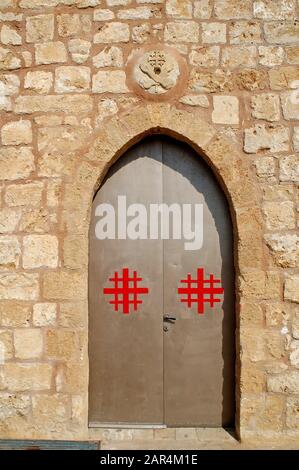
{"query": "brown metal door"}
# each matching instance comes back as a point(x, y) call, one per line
point(144, 370)
point(198, 348)
point(126, 350)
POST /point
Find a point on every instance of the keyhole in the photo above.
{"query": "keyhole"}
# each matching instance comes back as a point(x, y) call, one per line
point(157, 70)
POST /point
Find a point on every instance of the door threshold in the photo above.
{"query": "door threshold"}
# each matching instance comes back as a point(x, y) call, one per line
point(126, 425)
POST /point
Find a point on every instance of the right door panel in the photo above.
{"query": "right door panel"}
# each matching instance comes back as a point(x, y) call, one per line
point(198, 348)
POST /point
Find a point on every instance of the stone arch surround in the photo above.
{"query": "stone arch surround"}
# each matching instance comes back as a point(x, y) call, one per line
point(230, 168)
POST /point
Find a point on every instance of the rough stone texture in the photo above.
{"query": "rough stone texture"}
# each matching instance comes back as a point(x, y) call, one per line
point(226, 110)
point(39, 82)
point(16, 163)
point(28, 343)
point(266, 106)
point(40, 250)
point(72, 79)
point(16, 133)
point(273, 139)
point(291, 288)
point(69, 104)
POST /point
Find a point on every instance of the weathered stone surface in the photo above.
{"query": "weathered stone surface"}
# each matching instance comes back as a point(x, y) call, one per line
point(213, 33)
point(284, 32)
point(239, 56)
point(153, 78)
point(52, 410)
point(62, 344)
point(9, 252)
point(211, 82)
point(109, 82)
point(291, 288)
point(72, 315)
point(19, 286)
point(9, 84)
point(112, 32)
point(61, 139)
point(203, 9)
point(292, 419)
point(252, 79)
point(24, 194)
point(79, 50)
point(36, 220)
point(289, 168)
point(12, 406)
point(296, 139)
point(141, 33)
point(226, 110)
point(40, 250)
point(277, 314)
point(295, 326)
point(245, 32)
point(292, 54)
point(21, 377)
point(183, 31)
point(14, 314)
point(109, 57)
point(39, 81)
point(50, 53)
point(253, 346)
point(266, 106)
point(44, 314)
point(53, 103)
point(205, 56)
point(9, 220)
point(195, 100)
point(72, 25)
point(285, 249)
point(9, 61)
point(62, 285)
point(140, 13)
point(232, 9)
point(278, 10)
point(106, 107)
point(10, 36)
point(279, 216)
point(75, 251)
point(260, 284)
point(69, 79)
point(284, 383)
point(39, 28)
point(179, 8)
point(28, 343)
point(265, 167)
point(283, 77)
point(251, 314)
point(103, 15)
point(290, 104)
point(16, 133)
point(270, 56)
point(262, 137)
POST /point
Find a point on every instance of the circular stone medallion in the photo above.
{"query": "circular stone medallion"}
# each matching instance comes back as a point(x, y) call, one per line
point(156, 71)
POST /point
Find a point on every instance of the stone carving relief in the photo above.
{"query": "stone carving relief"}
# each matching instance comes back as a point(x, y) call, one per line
point(156, 72)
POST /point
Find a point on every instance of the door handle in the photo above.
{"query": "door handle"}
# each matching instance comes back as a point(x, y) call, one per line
point(169, 318)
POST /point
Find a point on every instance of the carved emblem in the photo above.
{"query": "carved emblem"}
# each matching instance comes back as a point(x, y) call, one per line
point(157, 72)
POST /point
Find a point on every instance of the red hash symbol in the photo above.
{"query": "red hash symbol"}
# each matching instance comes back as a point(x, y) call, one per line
point(125, 291)
point(200, 290)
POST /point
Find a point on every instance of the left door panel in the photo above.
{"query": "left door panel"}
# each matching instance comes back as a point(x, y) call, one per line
point(126, 350)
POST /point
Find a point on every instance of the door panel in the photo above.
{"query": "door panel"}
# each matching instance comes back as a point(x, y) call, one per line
point(198, 348)
point(139, 373)
point(126, 350)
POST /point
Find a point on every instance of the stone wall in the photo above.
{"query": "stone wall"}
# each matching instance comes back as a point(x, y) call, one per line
point(69, 106)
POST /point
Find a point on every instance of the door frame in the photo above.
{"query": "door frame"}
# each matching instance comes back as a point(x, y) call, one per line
point(231, 168)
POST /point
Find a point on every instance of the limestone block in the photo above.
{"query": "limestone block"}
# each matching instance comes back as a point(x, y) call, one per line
point(245, 32)
point(50, 409)
point(44, 314)
point(70, 79)
point(292, 54)
point(239, 56)
point(6, 346)
point(296, 139)
point(140, 13)
point(179, 8)
point(61, 139)
point(195, 100)
point(278, 10)
point(183, 31)
point(289, 168)
point(109, 82)
point(19, 286)
point(109, 57)
point(10, 36)
point(284, 32)
point(79, 50)
point(39, 251)
point(290, 104)
point(262, 137)
point(291, 288)
point(9, 84)
point(16, 133)
point(38, 81)
point(202, 9)
point(271, 56)
point(21, 377)
point(39, 28)
point(292, 419)
point(284, 248)
point(64, 285)
point(8, 60)
point(62, 344)
point(277, 314)
point(205, 56)
point(266, 106)
point(112, 32)
point(9, 252)
point(72, 25)
point(15, 314)
point(287, 382)
point(226, 110)
point(103, 15)
point(24, 194)
point(279, 216)
point(12, 405)
point(50, 53)
point(28, 343)
point(232, 9)
point(9, 220)
point(265, 167)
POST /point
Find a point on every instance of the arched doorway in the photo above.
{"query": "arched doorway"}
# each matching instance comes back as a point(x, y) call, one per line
point(168, 362)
